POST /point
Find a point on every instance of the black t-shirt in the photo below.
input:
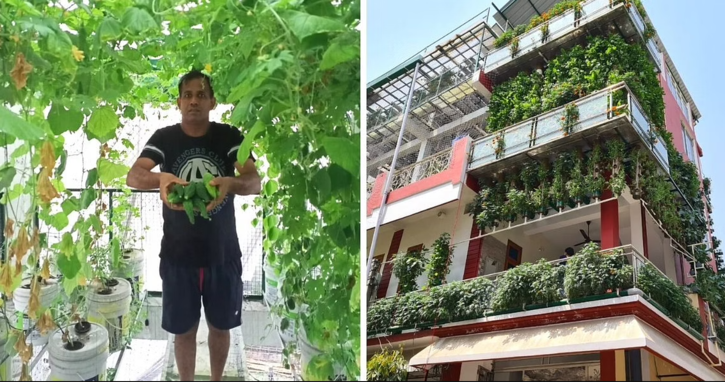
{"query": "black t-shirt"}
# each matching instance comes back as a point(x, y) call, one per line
point(207, 242)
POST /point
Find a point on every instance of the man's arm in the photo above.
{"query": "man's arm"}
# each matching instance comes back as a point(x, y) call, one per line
point(141, 177)
point(248, 182)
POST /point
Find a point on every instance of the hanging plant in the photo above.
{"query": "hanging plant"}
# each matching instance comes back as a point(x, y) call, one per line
point(440, 260)
point(640, 158)
point(388, 365)
point(558, 186)
point(570, 118)
point(575, 186)
point(544, 28)
point(517, 203)
point(616, 154)
point(499, 145)
point(594, 179)
point(407, 268)
point(543, 200)
point(514, 47)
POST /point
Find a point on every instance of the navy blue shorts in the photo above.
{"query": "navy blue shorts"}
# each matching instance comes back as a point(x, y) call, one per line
point(184, 288)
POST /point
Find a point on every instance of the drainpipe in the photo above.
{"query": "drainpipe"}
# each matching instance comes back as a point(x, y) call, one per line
point(389, 180)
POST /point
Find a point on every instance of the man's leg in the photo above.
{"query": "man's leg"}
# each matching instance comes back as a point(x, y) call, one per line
point(223, 307)
point(181, 312)
point(185, 351)
point(218, 351)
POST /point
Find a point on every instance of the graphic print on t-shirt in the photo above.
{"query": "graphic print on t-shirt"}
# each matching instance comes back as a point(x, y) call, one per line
point(192, 164)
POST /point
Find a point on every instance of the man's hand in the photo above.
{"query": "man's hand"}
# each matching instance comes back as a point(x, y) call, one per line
point(223, 184)
point(166, 182)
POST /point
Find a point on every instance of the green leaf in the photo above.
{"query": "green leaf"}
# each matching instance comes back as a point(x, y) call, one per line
point(63, 161)
point(110, 29)
point(337, 54)
point(129, 112)
point(116, 252)
point(70, 205)
point(7, 174)
point(274, 234)
point(12, 124)
point(271, 187)
point(87, 198)
point(322, 183)
point(69, 266)
point(92, 177)
point(138, 20)
point(103, 122)
point(246, 148)
point(95, 222)
point(109, 171)
point(69, 285)
point(62, 119)
point(59, 221)
point(344, 152)
point(303, 24)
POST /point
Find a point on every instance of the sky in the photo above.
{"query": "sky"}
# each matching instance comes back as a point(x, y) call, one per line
point(692, 34)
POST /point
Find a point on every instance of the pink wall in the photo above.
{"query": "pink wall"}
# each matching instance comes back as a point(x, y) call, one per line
point(674, 119)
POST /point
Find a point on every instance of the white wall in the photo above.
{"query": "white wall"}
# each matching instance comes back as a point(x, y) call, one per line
point(414, 204)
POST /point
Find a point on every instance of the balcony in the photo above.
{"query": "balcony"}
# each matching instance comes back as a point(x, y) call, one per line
point(540, 289)
point(538, 136)
point(566, 31)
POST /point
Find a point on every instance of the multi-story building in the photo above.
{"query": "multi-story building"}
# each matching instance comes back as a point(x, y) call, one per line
point(557, 126)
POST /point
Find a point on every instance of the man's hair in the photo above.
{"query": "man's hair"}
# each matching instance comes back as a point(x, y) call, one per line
point(569, 251)
point(195, 74)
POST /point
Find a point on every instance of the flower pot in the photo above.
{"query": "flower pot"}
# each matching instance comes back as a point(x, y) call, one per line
point(21, 297)
point(511, 218)
point(597, 194)
point(308, 351)
point(530, 214)
point(559, 204)
point(571, 203)
point(637, 194)
point(110, 308)
point(132, 269)
point(84, 360)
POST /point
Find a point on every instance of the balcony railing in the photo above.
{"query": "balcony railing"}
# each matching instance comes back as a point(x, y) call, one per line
point(596, 114)
point(563, 25)
point(428, 167)
point(475, 298)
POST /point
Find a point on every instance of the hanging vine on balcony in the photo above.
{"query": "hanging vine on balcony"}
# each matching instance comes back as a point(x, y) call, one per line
point(440, 260)
point(615, 156)
point(570, 118)
point(408, 267)
point(514, 47)
point(499, 145)
point(575, 186)
point(594, 179)
point(544, 28)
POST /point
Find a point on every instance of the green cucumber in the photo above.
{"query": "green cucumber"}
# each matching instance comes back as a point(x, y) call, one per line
point(189, 191)
point(189, 208)
point(198, 203)
point(202, 193)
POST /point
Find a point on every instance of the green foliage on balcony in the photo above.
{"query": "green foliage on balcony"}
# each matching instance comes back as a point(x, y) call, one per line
point(527, 284)
point(576, 73)
point(668, 295)
point(388, 365)
point(591, 273)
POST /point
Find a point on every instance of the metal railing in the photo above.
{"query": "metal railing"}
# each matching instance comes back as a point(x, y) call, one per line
point(595, 110)
point(632, 256)
point(428, 167)
point(562, 25)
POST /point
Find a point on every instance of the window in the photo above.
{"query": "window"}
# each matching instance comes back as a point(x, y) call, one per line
point(689, 145)
point(675, 90)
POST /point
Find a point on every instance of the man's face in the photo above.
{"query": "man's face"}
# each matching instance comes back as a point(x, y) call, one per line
point(195, 101)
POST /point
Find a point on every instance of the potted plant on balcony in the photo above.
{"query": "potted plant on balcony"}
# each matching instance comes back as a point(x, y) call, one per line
point(529, 177)
point(558, 186)
point(517, 203)
point(388, 365)
point(499, 145)
point(570, 118)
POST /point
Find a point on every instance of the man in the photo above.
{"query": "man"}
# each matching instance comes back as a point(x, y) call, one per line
point(568, 252)
point(200, 261)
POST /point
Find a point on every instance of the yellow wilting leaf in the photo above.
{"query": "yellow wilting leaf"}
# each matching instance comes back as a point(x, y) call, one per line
point(24, 351)
point(207, 67)
point(36, 240)
point(77, 54)
point(18, 266)
point(47, 155)
point(20, 71)
point(34, 304)
point(6, 278)
point(82, 280)
point(45, 188)
point(45, 273)
point(22, 243)
point(45, 324)
point(9, 231)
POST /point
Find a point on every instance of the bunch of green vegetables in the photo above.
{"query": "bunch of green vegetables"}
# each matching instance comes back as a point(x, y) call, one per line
point(195, 195)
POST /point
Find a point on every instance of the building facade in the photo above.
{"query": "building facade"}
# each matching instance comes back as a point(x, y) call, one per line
point(558, 126)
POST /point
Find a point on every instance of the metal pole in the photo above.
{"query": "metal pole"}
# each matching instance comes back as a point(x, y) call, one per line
point(386, 189)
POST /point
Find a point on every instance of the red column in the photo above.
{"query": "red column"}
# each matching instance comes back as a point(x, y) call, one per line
point(610, 221)
point(388, 268)
point(473, 258)
point(608, 366)
point(452, 373)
